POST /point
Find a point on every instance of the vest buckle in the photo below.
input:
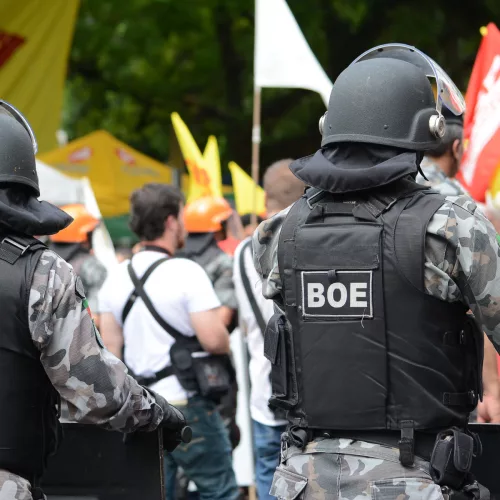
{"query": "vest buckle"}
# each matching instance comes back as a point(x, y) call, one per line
point(407, 444)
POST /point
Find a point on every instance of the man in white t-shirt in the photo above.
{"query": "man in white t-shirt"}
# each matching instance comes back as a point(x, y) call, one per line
point(181, 295)
point(282, 189)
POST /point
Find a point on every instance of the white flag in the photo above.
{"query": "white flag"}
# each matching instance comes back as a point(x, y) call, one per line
point(282, 56)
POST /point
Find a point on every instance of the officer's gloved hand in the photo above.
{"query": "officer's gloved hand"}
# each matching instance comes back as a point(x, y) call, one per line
point(175, 429)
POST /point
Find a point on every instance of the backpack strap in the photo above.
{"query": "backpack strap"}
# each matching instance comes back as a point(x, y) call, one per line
point(133, 296)
point(139, 290)
point(248, 289)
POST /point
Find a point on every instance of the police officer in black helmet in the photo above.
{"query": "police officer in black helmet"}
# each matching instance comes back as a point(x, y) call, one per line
point(50, 350)
point(375, 356)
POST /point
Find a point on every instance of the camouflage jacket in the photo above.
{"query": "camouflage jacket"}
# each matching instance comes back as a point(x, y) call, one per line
point(93, 383)
point(438, 180)
point(461, 252)
point(219, 267)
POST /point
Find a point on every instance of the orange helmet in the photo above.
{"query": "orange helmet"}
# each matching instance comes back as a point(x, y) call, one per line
point(205, 215)
point(83, 223)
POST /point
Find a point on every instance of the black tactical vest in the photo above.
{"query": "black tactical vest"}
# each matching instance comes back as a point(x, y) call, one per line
point(29, 403)
point(363, 346)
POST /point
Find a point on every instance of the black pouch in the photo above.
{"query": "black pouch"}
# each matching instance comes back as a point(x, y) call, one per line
point(213, 375)
point(451, 458)
point(182, 364)
point(276, 344)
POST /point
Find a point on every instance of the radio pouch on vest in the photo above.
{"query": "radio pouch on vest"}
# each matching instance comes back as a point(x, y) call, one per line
point(209, 375)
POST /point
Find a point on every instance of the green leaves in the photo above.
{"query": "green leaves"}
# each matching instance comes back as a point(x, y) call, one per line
point(133, 63)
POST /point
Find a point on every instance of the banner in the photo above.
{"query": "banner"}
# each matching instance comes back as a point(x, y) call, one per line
point(482, 118)
point(203, 181)
point(282, 56)
point(35, 39)
point(244, 186)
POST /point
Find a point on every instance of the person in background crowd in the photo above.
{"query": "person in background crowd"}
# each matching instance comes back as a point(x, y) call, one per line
point(50, 350)
point(74, 244)
point(440, 165)
point(161, 309)
point(248, 227)
point(209, 221)
point(204, 220)
point(282, 189)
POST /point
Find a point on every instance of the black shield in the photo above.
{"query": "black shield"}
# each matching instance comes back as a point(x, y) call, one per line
point(94, 464)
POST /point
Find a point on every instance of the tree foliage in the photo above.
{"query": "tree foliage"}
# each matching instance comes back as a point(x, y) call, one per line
point(134, 62)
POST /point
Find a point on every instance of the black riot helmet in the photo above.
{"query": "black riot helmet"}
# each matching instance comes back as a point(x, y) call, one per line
point(17, 149)
point(385, 97)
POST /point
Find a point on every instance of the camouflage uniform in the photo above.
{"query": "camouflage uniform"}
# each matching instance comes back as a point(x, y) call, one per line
point(462, 264)
point(220, 271)
point(93, 383)
point(438, 180)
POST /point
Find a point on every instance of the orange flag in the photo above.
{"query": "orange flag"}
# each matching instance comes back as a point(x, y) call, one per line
point(482, 118)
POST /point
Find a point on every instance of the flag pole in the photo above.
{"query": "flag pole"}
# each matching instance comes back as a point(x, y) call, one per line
point(255, 149)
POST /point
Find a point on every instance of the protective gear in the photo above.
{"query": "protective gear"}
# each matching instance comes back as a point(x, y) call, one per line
point(390, 85)
point(17, 149)
point(364, 297)
point(78, 231)
point(29, 425)
point(206, 214)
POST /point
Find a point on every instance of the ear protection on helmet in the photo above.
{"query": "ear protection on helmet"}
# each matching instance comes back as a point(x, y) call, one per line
point(437, 125)
point(322, 122)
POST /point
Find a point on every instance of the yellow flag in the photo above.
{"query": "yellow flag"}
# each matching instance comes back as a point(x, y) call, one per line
point(244, 186)
point(201, 181)
point(212, 164)
point(35, 38)
point(114, 169)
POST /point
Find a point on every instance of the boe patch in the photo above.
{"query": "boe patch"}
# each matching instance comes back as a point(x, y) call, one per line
point(337, 294)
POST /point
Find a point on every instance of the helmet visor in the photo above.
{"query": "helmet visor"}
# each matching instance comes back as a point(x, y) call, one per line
point(447, 92)
point(19, 117)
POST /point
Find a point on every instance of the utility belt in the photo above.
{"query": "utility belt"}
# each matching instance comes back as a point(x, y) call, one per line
point(209, 375)
point(449, 452)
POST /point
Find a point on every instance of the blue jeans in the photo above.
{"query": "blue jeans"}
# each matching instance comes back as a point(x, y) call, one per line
point(267, 445)
point(206, 460)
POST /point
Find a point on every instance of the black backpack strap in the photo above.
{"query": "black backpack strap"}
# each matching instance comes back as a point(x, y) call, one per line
point(139, 290)
point(248, 288)
point(133, 296)
point(13, 247)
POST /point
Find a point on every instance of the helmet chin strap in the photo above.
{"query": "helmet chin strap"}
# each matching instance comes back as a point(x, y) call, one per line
point(420, 157)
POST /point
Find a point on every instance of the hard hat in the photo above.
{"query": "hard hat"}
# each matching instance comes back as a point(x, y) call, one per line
point(205, 215)
point(17, 149)
point(385, 97)
point(77, 232)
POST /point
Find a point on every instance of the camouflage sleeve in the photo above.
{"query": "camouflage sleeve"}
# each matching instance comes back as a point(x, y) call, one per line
point(91, 380)
point(265, 253)
point(223, 282)
point(463, 261)
point(93, 275)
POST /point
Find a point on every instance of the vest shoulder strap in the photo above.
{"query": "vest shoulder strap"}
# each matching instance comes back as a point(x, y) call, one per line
point(410, 233)
point(13, 247)
point(285, 247)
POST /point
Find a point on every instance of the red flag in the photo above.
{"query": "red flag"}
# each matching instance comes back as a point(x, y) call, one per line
point(482, 118)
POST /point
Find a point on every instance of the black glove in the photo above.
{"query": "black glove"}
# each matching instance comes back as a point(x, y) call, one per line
point(173, 424)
